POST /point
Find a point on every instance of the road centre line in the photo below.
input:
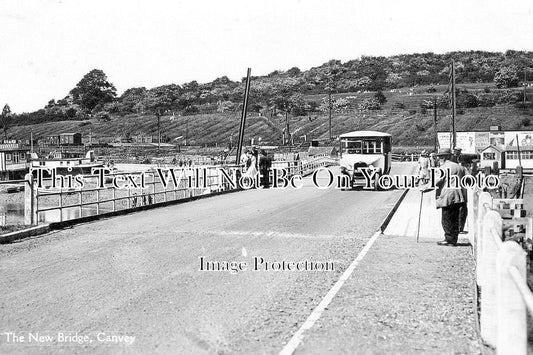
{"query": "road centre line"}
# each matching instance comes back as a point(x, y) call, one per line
point(297, 338)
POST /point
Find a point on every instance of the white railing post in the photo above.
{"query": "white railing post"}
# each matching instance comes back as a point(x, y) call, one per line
point(472, 213)
point(512, 323)
point(491, 239)
point(484, 205)
point(29, 201)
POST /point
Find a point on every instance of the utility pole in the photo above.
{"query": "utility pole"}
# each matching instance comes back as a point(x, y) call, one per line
point(453, 105)
point(158, 114)
point(287, 128)
point(435, 122)
point(243, 117)
point(186, 129)
point(525, 84)
point(329, 106)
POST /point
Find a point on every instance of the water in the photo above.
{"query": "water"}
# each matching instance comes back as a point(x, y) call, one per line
point(12, 213)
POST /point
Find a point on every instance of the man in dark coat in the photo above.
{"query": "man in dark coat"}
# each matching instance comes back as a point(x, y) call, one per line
point(450, 199)
point(463, 209)
point(265, 163)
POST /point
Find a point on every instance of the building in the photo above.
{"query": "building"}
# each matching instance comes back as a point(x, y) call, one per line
point(490, 155)
point(51, 140)
point(70, 139)
point(14, 161)
point(515, 147)
point(144, 138)
point(63, 139)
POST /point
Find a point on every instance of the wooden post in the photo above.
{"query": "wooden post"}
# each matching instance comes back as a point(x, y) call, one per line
point(97, 202)
point(484, 204)
point(29, 206)
point(489, 316)
point(512, 323)
point(471, 203)
point(114, 202)
point(153, 188)
point(61, 204)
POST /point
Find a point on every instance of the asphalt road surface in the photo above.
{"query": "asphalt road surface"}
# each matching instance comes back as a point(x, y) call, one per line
point(138, 275)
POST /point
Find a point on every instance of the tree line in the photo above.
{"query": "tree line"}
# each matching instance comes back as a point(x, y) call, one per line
point(286, 91)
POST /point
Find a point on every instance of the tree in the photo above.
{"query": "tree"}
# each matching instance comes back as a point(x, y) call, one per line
point(506, 77)
point(5, 119)
point(369, 104)
point(160, 100)
point(93, 90)
point(130, 99)
point(380, 97)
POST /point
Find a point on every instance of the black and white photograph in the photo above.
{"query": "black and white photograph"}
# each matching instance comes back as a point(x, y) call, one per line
point(266, 177)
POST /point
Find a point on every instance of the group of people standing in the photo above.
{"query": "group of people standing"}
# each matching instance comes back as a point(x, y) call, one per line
point(257, 161)
point(451, 201)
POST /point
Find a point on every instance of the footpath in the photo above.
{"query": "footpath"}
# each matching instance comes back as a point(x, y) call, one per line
point(404, 297)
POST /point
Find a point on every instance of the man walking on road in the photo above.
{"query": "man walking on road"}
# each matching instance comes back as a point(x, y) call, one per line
point(450, 199)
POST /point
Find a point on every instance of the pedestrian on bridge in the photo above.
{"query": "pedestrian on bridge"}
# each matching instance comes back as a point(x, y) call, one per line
point(463, 209)
point(423, 167)
point(449, 200)
point(265, 163)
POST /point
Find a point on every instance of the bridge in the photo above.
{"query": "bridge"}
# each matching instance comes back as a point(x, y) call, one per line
point(344, 287)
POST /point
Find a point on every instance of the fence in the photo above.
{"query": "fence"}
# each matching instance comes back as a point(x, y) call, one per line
point(501, 269)
point(304, 167)
point(49, 202)
point(404, 157)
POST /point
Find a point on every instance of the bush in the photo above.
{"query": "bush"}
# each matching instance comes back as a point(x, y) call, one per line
point(509, 97)
point(431, 89)
point(486, 100)
point(191, 110)
point(412, 111)
point(524, 105)
point(467, 100)
point(380, 97)
point(526, 121)
point(104, 116)
point(506, 77)
point(369, 104)
point(398, 105)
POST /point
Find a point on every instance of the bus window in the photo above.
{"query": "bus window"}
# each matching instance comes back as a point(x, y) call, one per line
point(376, 146)
point(367, 148)
point(351, 147)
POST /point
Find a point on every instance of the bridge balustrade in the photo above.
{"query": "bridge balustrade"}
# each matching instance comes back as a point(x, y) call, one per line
point(58, 204)
point(501, 271)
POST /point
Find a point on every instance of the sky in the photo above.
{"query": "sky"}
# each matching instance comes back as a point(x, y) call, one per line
point(46, 46)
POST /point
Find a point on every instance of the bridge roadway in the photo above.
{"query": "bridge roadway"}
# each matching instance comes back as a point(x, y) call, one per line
point(138, 274)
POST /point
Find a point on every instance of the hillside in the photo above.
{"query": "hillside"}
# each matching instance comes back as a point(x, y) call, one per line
point(409, 126)
point(394, 94)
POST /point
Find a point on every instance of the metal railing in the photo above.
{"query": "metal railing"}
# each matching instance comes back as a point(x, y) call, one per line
point(93, 199)
point(57, 203)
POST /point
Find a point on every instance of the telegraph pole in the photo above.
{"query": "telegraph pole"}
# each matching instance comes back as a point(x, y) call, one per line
point(453, 105)
point(243, 117)
point(435, 122)
point(525, 84)
point(287, 128)
point(158, 114)
point(329, 107)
